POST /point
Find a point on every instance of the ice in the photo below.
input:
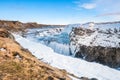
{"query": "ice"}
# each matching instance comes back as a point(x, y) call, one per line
point(76, 66)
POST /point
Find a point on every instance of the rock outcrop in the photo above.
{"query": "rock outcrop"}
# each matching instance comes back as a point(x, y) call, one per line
point(5, 34)
point(96, 46)
point(17, 63)
point(103, 55)
point(12, 25)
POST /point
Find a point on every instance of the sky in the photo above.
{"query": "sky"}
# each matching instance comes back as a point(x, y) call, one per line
point(60, 11)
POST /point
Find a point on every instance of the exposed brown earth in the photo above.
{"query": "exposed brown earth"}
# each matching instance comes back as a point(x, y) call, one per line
point(17, 63)
point(19, 26)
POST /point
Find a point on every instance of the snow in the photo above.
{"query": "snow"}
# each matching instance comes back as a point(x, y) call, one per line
point(18, 57)
point(2, 49)
point(103, 26)
point(55, 38)
point(99, 39)
point(69, 28)
point(60, 48)
point(76, 66)
point(105, 35)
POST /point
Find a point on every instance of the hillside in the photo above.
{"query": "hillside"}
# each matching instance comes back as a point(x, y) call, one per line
point(17, 63)
point(19, 26)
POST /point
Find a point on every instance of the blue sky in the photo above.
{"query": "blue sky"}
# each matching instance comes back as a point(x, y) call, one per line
point(60, 11)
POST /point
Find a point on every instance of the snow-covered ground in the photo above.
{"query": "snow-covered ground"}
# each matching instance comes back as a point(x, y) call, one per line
point(101, 34)
point(99, 39)
point(73, 65)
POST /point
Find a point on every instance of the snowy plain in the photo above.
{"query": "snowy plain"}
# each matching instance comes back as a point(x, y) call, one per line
point(76, 66)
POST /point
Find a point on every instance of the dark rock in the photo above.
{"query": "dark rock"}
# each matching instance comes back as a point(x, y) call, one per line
point(103, 55)
point(93, 79)
point(50, 78)
point(84, 78)
point(82, 31)
point(62, 78)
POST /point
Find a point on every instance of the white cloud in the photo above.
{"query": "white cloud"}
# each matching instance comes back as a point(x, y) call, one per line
point(100, 10)
point(108, 8)
point(88, 5)
point(109, 14)
point(100, 5)
point(85, 5)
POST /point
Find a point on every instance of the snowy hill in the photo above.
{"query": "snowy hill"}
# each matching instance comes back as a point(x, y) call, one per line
point(105, 38)
point(100, 44)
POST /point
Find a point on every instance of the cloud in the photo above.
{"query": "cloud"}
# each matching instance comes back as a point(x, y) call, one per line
point(99, 5)
point(109, 14)
point(99, 10)
point(88, 5)
point(85, 5)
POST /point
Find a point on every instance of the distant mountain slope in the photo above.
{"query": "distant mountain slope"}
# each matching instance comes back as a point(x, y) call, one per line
point(103, 25)
point(19, 26)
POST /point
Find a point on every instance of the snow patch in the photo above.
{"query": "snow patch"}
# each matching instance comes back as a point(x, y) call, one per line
point(2, 49)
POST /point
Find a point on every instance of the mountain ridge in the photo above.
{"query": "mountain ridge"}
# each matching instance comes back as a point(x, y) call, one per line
point(19, 26)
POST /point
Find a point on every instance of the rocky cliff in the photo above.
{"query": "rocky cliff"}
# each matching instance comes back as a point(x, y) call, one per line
point(17, 63)
point(102, 46)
